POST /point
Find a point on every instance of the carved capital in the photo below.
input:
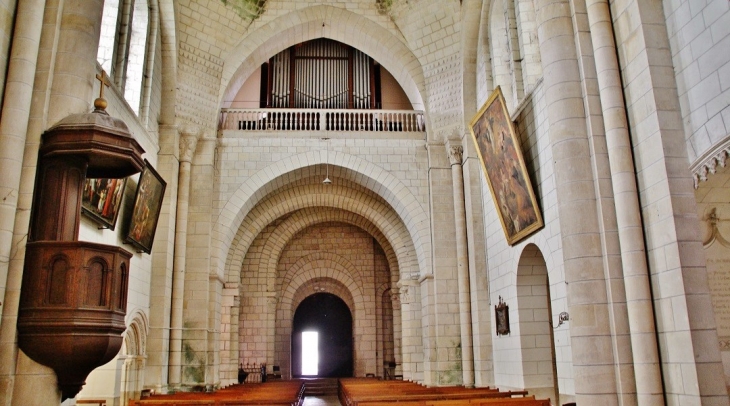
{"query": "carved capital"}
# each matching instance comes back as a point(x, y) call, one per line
point(188, 143)
point(405, 296)
point(455, 154)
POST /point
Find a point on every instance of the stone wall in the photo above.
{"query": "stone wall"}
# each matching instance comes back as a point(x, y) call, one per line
point(699, 39)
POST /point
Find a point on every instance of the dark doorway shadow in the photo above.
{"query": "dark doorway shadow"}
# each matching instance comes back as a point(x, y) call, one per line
point(331, 318)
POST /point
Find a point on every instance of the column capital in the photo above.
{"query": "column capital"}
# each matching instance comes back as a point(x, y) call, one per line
point(188, 143)
point(455, 154)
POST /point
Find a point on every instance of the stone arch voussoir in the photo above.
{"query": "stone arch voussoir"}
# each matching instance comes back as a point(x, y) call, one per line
point(404, 208)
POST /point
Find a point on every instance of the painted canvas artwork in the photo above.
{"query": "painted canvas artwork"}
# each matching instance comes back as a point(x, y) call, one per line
point(102, 199)
point(503, 165)
point(146, 212)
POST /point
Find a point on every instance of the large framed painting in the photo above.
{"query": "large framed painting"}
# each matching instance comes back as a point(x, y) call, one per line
point(504, 167)
point(102, 199)
point(146, 211)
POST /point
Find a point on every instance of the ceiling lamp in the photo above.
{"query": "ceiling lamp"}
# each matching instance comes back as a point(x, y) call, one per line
point(327, 180)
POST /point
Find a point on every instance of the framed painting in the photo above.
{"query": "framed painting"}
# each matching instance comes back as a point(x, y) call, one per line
point(504, 167)
point(501, 315)
point(146, 211)
point(102, 199)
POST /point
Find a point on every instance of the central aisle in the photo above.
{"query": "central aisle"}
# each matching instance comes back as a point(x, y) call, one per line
point(321, 401)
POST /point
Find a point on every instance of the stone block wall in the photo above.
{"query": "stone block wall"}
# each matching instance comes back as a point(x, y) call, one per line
point(699, 39)
point(243, 157)
point(509, 355)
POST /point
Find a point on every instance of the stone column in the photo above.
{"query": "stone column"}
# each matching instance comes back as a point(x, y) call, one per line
point(411, 342)
point(590, 321)
point(14, 127)
point(188, 143)
point(67, 47)
point(462, 264)
point(397, 331)
point(229, 299)
point(158, 341)
point(13, 130)
point(75, 67)
point(628, 212)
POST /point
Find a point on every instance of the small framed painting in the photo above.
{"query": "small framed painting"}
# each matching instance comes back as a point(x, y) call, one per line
point(146, 211)
point(102, 199)
point(501, 316)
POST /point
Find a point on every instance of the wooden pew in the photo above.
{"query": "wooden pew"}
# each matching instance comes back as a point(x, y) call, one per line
point(171, 402)
point(280, 393)
point(526, 401)
point(371, 392)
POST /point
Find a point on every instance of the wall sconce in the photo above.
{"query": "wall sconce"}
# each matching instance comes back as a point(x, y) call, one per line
point(562, 318)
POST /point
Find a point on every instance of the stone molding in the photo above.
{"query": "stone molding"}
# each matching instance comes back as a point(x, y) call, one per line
point(708, 162)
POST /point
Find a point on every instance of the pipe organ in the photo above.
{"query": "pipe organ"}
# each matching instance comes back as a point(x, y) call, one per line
point(321, 74)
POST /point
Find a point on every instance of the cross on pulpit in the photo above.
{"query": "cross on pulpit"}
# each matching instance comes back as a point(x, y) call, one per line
point(100, 103)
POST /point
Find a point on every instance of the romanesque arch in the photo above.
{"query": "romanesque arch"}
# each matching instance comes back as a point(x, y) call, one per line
point(329, 22)
point(326, 274)
point(135, 357)
point(404, 210)
point(535, 324)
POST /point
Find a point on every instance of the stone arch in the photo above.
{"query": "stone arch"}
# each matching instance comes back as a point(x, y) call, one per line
point(539, 367)
point(343, 198)
point(261, 261)
point(342, 25)
point(329, 272)
point(404, 207)
point(135, 356)
point(305, 218)
point(136, 335)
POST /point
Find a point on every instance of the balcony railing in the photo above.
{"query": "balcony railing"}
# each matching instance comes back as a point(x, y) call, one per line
point(321, 120)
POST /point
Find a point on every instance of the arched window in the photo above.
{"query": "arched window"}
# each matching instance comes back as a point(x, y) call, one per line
point(515, 56)
point(105, 54)
point(123, 45)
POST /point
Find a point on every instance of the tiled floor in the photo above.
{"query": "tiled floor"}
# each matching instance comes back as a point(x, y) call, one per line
point(321, 401)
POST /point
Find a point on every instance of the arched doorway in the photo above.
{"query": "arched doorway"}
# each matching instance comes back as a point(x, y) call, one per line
point(536, 326)
point(329, 316)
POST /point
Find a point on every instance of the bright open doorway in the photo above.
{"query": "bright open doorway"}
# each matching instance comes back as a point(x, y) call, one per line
point(310, 353)
point(330, 317)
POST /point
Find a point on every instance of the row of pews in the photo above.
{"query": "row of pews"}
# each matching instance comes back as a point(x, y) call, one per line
point(373, 392)
point(277, 393)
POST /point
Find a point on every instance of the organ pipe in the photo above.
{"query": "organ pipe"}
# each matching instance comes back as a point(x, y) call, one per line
point(321, 74)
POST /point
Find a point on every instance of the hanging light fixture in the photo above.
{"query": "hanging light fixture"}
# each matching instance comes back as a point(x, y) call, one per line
point(327, 180)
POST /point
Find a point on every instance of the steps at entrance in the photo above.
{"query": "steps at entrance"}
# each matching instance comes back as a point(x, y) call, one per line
point(320, 387)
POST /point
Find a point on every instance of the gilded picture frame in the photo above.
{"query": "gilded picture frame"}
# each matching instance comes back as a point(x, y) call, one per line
point(146, 211)
point(504, 167)
point(101, 200)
